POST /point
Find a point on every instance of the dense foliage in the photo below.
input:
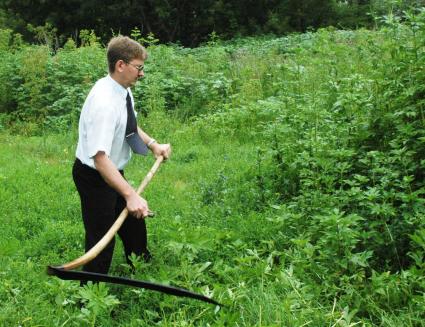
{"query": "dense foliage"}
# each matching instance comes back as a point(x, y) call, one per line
point(295, 194)
point(187, 22)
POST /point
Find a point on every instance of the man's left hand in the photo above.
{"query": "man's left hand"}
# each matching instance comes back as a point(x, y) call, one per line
point(161, 150)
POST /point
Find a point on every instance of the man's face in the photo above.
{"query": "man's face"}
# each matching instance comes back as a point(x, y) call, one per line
point(133, 71)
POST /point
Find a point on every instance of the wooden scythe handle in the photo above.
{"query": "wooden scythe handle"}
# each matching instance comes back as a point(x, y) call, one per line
point(95, 250)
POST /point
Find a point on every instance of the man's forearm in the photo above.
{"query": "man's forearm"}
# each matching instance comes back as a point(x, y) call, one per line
point(111, 175)
point(145, 137)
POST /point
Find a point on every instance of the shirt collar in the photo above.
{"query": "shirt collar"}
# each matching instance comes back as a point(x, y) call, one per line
point(118, 87)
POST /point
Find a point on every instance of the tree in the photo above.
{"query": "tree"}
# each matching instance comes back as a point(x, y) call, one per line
point(185, 21)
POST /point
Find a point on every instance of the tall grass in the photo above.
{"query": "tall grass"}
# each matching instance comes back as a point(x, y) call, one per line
point(294, 194)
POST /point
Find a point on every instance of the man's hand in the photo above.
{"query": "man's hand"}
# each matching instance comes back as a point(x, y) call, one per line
point(161, 150)
point(137, 206)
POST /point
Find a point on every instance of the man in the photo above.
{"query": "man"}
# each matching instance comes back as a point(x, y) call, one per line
point(108, 132)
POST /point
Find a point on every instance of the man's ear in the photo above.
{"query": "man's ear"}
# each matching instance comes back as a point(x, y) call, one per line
point(119, 65)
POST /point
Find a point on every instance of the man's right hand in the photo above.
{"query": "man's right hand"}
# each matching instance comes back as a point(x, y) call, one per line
point(137, 206)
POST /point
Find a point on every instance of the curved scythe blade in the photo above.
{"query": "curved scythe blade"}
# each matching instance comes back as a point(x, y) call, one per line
point(89, 276)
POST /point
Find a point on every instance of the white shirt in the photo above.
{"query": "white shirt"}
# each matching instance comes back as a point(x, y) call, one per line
point(102, 124)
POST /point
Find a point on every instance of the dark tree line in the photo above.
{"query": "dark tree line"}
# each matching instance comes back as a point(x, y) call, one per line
point(189, 22)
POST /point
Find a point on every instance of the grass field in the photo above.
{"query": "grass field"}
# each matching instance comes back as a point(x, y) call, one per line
point(294, 195)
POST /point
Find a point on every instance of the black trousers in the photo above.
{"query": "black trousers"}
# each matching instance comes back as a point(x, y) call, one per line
point(100, 206)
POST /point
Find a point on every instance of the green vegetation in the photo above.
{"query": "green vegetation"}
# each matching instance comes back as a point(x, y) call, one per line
point(295, 194)
point(187, 22)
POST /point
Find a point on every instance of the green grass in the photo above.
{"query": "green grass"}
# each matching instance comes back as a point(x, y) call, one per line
point(229, 255)
point(41, 219)
point(294, 194)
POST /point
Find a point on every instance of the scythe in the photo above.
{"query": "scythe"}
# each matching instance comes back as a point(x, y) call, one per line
point(65, 271)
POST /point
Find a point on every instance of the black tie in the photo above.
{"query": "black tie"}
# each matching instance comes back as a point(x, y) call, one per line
point(131, 135)
point(131, 118)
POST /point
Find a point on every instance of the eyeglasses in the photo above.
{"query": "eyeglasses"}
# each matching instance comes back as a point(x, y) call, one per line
point(140, 68)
